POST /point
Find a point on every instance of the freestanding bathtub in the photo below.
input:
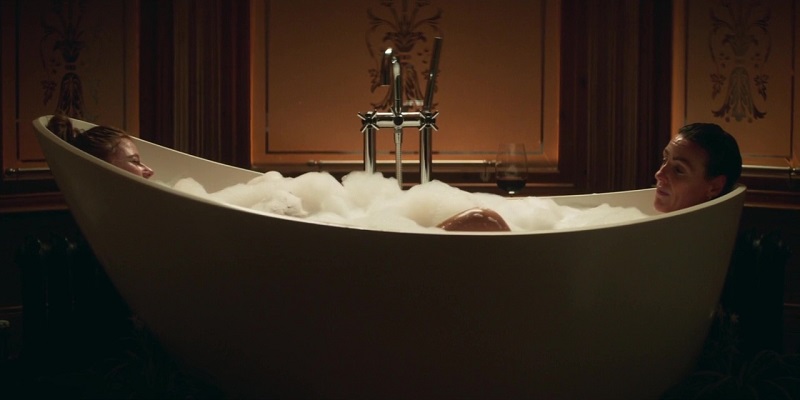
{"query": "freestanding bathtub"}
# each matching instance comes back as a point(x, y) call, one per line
point(274, 306)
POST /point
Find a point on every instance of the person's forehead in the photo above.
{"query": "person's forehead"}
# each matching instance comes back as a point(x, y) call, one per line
point(687, 150)
point(127, 146)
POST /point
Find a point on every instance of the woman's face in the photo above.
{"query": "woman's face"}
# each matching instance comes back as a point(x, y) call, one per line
point(126, 156)
point(681, 181)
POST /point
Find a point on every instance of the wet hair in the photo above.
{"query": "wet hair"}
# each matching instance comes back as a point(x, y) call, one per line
point(99, 141)
point(724, 157)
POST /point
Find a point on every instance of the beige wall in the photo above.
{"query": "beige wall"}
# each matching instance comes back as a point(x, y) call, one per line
point(497, 83)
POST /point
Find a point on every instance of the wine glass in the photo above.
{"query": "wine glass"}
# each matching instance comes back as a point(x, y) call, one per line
point(511, 167)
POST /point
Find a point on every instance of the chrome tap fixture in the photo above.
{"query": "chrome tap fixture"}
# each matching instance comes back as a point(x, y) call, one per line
point(371, 121)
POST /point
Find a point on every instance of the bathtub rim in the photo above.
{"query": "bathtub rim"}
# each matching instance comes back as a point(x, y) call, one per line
point(40, 124)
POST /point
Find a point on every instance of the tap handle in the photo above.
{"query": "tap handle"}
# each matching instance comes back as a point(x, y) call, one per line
point(369, 120)
point(428, 120)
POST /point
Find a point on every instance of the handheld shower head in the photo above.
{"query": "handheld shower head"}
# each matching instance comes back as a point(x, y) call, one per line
point(432, 74)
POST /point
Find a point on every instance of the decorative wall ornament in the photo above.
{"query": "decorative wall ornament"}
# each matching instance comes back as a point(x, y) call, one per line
point(408, 27)
point(740, 45)
point(60, 47)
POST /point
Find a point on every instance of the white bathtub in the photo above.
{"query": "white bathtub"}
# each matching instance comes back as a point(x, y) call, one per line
point(277, 306)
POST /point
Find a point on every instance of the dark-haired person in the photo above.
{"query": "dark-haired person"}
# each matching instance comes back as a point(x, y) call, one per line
point(104, 142)
point(700, 163)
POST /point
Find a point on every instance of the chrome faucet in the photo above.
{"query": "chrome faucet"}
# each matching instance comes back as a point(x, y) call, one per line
point(371, 121)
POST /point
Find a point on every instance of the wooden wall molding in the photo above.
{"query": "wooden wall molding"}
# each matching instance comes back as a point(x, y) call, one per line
point(195, 91)
point(615, 92)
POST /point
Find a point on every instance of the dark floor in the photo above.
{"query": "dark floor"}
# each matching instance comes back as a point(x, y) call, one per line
point(128, 363)
point(132, 365)
point(737, 365)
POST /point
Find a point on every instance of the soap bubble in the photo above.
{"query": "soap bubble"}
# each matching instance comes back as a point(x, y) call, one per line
point(375, 202)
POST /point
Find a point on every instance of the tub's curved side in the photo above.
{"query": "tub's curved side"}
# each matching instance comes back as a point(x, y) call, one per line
point(275, 306)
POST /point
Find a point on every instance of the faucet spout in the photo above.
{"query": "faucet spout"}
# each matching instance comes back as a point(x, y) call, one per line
point(390, 61)
point(386, 67)
point(391, 73)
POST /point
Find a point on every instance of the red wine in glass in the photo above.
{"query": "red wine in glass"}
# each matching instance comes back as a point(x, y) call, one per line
point(511, 167)
point(511, 185)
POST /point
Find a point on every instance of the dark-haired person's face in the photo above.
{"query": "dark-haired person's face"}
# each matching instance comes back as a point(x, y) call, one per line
point(126, 156)
point(682, 179)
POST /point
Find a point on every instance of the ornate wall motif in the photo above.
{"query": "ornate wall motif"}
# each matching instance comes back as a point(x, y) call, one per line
point(74, 56)
point(740, 45)
point(734, 63)
point(60, 49)
point(409, 30)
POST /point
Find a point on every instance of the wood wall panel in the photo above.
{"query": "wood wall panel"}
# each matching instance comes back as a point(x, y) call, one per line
point(79, 57)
